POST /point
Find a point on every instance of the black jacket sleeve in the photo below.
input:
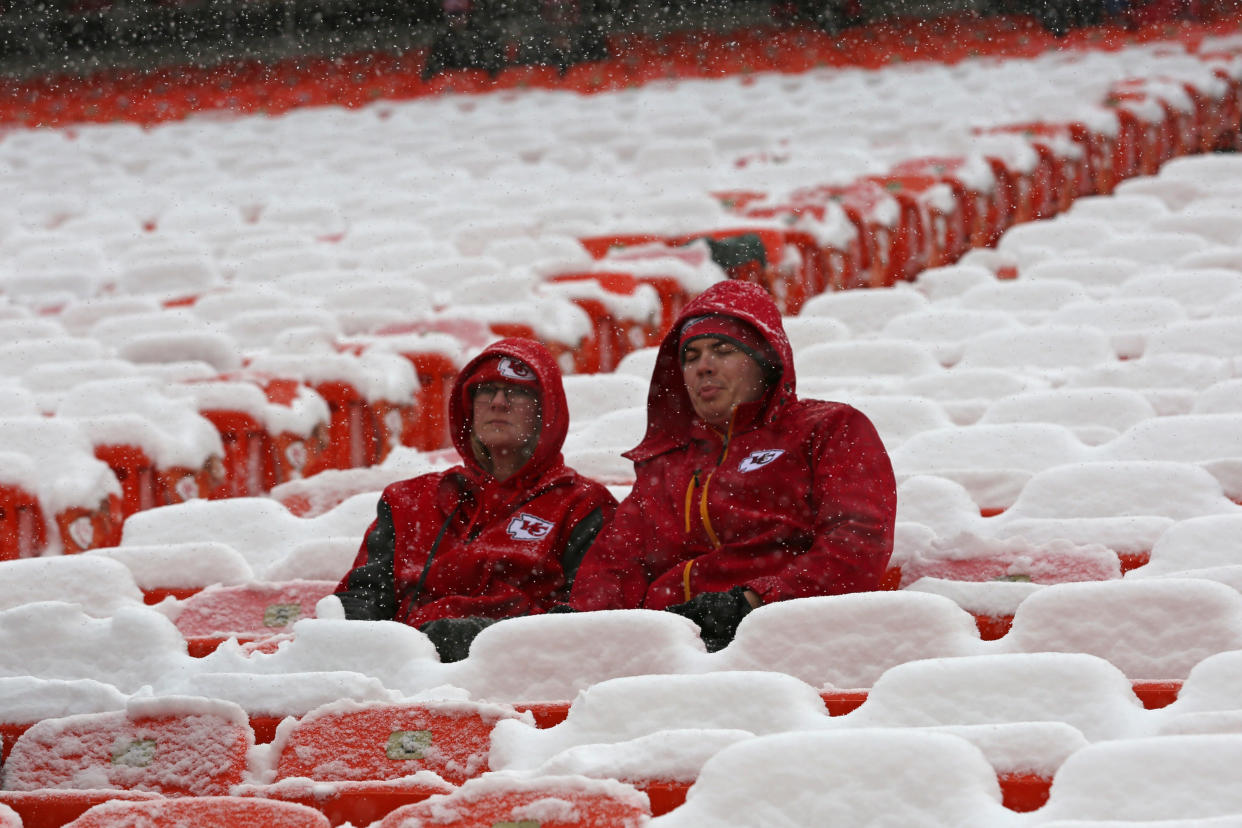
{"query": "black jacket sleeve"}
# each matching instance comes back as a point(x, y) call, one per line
point(368, 592)
point(580, 540)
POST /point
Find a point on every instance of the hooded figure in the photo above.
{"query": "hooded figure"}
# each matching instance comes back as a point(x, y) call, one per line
point(744, 494)
point(500, 535)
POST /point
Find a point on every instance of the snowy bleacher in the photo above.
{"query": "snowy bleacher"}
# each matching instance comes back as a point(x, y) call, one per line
point(223, 336)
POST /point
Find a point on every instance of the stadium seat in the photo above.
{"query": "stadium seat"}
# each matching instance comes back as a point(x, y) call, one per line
point(1154, 629)
point(862, 778)
point(1213, 441)
point(170, 746)
point(9, 818)
point(866, 312)
point(247, 612)
point(549, 802)
point(1095, 415)
point(205, 811)
point(1126, 321)
point(369, 758)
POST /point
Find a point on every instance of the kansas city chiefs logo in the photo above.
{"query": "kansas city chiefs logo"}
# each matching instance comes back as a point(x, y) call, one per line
point(759, 459)
point(514, 370)
point(528, 527)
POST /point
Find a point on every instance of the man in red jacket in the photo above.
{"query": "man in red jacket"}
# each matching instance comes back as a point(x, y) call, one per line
point(744, 494)
point(500, 535)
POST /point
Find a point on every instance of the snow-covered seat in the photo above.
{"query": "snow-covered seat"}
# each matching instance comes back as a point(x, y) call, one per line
point(132, 647)
point(1214, 441)
point(178, 569)
point(807, 331)
point(1066, 234)
point(1224, 397)
point(1047, 348)
point(1196, 289)
point(1095, 415)
point(1027, 300)
point(946, 328)
point(1152, 629)
point(1127, 321)
point(865, 777)
point(1152, 248)
point(1170, 381)
point(1220, 337)
point(865, 312)
point(170, 276)
point(623, 710)
point(596, 395)
point(949, 281)
point(1217, 226)
point(553, 657)
point(867, 364)
point(897, 418)
point(1163, 780)
point(201, 810)
point(97, 585)
point(269, 266)
point(619, 430)
point(965, 393)
point(1194, 544)
point(1098, 275)
point(1122, 505)
point(993, 462)
point(1134, 211)
point(846, 642)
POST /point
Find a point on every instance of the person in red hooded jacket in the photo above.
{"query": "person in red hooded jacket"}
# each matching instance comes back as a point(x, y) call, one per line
point(498, 536)
point(744, 494)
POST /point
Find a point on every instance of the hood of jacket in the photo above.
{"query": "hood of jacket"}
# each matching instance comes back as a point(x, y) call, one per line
point(670, 414)
point(554, 411)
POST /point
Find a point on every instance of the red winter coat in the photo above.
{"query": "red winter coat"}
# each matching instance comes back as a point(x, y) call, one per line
point(796, 499)
point(501, 548)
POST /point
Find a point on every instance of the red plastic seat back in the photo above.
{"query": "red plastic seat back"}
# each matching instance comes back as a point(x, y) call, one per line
point(345, 741)
point(251, 609)
point(202, 812)
point(189, 754)
point(546, 803)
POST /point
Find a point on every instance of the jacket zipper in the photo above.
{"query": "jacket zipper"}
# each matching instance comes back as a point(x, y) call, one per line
point(704, 517)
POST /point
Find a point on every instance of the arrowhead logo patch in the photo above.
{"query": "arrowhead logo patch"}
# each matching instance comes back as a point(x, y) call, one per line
point(759, 459)
point(528, 527)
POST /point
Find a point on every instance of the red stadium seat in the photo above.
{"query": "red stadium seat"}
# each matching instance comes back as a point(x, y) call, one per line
point(201, 811)
point(248, 612)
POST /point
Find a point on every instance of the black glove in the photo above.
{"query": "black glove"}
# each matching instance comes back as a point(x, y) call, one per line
point(717, 614)
point(557, 609)
point(452, 636)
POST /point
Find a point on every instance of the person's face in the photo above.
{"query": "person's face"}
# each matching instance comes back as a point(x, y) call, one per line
point(506, 416)
point(719, 377)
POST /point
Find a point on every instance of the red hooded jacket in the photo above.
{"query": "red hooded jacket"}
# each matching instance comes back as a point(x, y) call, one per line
point(499, 548)
point(798, 498)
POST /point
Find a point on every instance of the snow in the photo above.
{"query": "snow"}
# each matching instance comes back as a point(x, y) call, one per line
point(1093, 401)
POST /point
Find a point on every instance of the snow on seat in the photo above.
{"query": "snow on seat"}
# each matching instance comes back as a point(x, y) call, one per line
point(247, 612)
point(1066, 234)
point(663, 716)
point(805, 331)
point(1098, 275)
point(1213, 441)
point(514, 799)
point(993, 462)
point(1170, 381)
point(271, 265)
point(897, 417)
point(29, 356)
point(1047, 349)
point(1152, 248)
point(357, 761)
point(261, 328)
point(235, 812)
point(1123, 505)
point(872, 778)
point(869, 365)
point(132, 647)
point(620, 429)
point(216, 349)
point(1215, 225)
point(174, 746)
point(966, 392)
point(1223, 397)
point(945, 329)
point(845, 642)
point(97, 585)
point(367, 305)
point(178, 570)
point(398, 656)
point(1194, 544)
point(14, 330)
point(865, 312)
point(1137, 211)
point(9, 818)
point(551, 658)
point(1079, 690)
point(1127, 321)
point(17, 401)
point(260, 529)
point(1027, 300)
point(949, 281)
point(169, 276)
point(1163, 780)
point(1218, 337)
point(1154, 629)
point(25, 700)
point(1095, 415)
point(161, 449)
point(1198, 290)
point(590, 397)
point(57, 495)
